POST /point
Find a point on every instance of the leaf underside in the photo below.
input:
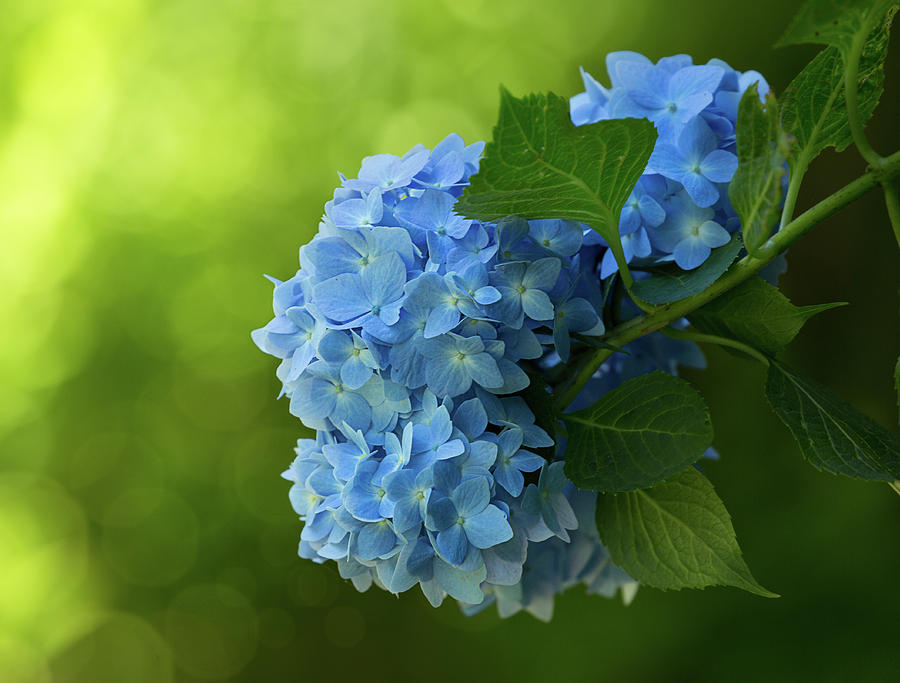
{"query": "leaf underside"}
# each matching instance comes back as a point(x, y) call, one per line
point(756, 189)
point(833, 436)
point(755, 313)
point(813, 106)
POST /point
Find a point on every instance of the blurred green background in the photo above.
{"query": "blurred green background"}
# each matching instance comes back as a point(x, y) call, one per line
point(158, 156)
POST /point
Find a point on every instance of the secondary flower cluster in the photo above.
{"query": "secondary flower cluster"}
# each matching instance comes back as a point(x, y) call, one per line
point(408, 332)
point(679, 209)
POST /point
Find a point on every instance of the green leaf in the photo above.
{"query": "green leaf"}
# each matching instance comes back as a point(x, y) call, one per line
point(833, 436)
point(671, 283)
point(833, 22)
point(755, 313)
point(813, 107)
point(638, 434)
point(675, 535)
point(540, 165)
point(756, 190)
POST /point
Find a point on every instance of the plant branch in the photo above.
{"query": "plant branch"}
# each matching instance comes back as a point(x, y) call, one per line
point(851, 83)
point(738, 273)
point(892, 202)
point(691, 335)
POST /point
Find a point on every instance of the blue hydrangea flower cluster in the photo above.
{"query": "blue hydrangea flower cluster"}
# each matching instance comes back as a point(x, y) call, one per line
point(679, 209)
point(408, 333)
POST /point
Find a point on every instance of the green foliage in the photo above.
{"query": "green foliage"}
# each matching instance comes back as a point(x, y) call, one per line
point(637, 435)
point(756, 189)
point(755, 313)
point(833, 22)
point(540, 165)
point(832, 434)
point(671, 283)
point(813, 107)
point(675, 535)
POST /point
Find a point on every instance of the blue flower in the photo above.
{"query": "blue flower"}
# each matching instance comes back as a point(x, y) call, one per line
point(351, 353)
point(511, 462)
point(454, 362)
point(388, 172)
point(690, 233)
point(523, 290)
point(547, 500)
point(465, 518)
point(694, 108)
point(668, 97)
point(376, 292)
point(695, 162)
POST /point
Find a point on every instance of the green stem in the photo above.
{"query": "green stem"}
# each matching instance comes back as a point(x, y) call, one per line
point(851, 83)
point(892, 201)
point(896, 486)
point(690, 335)
point(738, 273)
point(790, 199)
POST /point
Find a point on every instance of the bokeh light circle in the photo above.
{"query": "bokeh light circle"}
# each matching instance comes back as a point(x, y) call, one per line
point(150, 536)
point(213, 630)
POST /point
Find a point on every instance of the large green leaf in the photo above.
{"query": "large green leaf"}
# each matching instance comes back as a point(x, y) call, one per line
point(756, 190)
point(638, 434)
point(833, 22)
point(833, 436)
point(674, 535)
point(757, 314)
point(540, 165)
point(813, 107)
point(671, 283)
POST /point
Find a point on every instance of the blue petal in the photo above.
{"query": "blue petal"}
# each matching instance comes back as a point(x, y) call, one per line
point(453, 544)
point(690, 253)
point(470, 418)
point(483, 369)
point(713, 235)
point(471, 497)
point(719, 166)
point(441, 320)
point(509, 478)
point(406, 514)
point(441, 513)
point(542, 274)
point(383, 280)
point(342, 297)
point(313, 399)
point(420, 561)
point(375, 540)
point(464, 586)
point(488, 528)
point(536, 305)
point(355, 373)
point(446, 476)
point(703, 192)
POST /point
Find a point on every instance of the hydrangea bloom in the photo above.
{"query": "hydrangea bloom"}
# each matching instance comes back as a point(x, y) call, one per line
point(408, 332)
point(679, 210)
